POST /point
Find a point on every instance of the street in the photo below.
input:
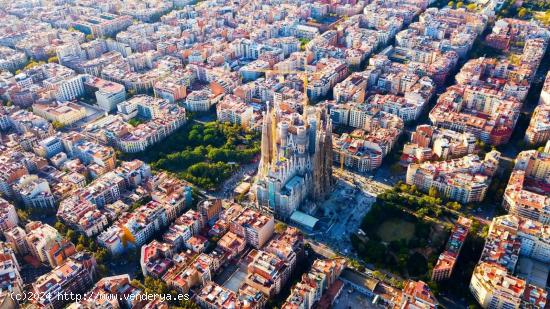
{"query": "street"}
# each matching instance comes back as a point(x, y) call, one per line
point(230, 184)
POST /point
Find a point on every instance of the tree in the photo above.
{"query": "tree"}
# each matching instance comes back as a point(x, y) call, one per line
point(434, 287)
point(471, 7)
point(31, 64)
point(101, 255)
point(134, 122)
point(155, 286)
point(303, 43)
point(81, 240)
point(70, 235)
point(136, 283)
point(280, 228)
point(459, 5)
point(356, 265)
point(23, 215)
point(395, 169)
point(522, 12)
point(53, 59)
point(417, 265)
point(422, 212)
point(432, 192)
point(57, 125)
point(102, 270)
point(60, 227)
point(92, 246)
point(454, 205)
point(89, 37)
point(376, 252)
point(451, 4)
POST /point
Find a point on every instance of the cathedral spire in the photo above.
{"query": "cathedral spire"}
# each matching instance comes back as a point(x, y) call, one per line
point(322, 172)
point(328, 153)
point(267, 141)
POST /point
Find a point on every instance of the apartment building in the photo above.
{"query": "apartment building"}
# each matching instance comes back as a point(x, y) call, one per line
point(493, 287)
point(538, 131)
point(107, 93)
point(112, 292)
point(76, 275)
point(8, 216)
point(266, 272)
point(213, 296)
point(362, 150)
point(12, 59)
point(494, 283)
point(255, 227)
point(134, 229)
point(308, 292)
point(202, 100)
point(46, 244)
point(481, 111)
point(465, 180)
point(431, 143)
point(17, 238)
point(35, 192)
point(160, 120)
point(103, 24)
point(171, 89)
point(65, 113)
point(527, 194)
point(234, 110)
point(156, 258)
point(417, 294)
point(232, 243)
point(288, 246)
point(210, 210)
point(447, 259)
point(137, 228)
point(10, 277)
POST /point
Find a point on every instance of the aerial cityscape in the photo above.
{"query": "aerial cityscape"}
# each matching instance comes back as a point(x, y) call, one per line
point(288, 154)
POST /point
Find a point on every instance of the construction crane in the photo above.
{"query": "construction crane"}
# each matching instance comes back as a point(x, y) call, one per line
point(304, 76)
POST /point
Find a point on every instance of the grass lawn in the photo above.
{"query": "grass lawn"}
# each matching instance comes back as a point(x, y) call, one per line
point(395, 229)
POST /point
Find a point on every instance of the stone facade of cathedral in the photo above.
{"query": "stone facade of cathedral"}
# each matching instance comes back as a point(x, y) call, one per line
point(296, 160)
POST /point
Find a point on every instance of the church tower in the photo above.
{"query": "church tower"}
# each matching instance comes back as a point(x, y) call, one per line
point(322, 162)
point(267, 142)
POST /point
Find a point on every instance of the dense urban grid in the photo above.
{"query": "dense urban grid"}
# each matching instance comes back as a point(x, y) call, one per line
point(274, 154)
